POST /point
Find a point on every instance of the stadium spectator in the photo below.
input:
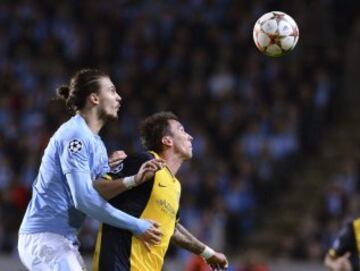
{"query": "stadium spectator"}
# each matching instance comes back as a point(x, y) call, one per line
point(242, 107)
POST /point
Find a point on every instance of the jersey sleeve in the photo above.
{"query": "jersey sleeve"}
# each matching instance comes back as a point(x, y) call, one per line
point(344, 242)
point(130, 166)
point(75, 153)
point(105, 167)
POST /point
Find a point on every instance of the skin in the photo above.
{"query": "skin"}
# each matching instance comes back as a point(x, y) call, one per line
point(341, 263)
point(184, 239)
point(177, 149)
point(177, 146)
point(116, 158)
point(100, 107)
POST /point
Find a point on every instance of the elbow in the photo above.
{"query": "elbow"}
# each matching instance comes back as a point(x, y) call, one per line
point(77, 205)
point(80, 204)
point(97, 185)
point(88, 205)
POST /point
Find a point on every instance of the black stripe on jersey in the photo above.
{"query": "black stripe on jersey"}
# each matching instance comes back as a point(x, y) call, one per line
point(116, 243)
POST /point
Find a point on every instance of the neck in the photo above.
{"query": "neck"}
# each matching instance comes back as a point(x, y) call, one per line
point(92, 120)
point(173, 162)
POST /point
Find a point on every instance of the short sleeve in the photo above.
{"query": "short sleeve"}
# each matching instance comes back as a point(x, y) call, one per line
point(74, 154)
point(105, 169)
point(103, 157)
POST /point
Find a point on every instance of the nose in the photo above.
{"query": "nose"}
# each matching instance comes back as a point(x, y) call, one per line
point(190, 137)
point(118, 97)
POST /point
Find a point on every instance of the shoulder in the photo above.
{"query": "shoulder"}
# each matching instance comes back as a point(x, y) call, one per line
point(346, 231)
point(137, 158)
point(348, 228)
point(132, 164)
point(74, 126)
point(345, 239)
point(73, 136)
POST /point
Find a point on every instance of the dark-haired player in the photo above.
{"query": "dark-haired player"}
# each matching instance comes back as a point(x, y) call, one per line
point(157, 199)
point(63, 192)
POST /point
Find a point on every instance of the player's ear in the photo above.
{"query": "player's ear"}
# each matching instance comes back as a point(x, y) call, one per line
point(94, 98)
point(166, 140)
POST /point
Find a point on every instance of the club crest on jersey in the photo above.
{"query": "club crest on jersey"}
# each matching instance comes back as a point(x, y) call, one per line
point(118, 168)
point(75, 146)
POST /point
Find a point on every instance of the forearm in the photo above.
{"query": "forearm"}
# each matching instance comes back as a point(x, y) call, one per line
point(109, 188)
point(328, 262)
point(88, 200)
point(105, 213)
point(184, 239)
point(340, 263)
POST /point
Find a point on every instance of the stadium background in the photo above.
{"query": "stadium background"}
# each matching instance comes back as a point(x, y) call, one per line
point(275, 171)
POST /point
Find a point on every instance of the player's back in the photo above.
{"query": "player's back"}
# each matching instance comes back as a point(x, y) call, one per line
point(72, 148)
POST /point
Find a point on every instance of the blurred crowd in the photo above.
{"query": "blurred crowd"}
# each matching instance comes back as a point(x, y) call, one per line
point(339, 205)
point(251, 116)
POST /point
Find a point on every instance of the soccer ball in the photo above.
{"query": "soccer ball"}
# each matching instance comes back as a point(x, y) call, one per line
point(275, 33)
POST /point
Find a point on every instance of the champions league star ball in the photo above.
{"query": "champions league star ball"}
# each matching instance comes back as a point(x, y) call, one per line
point(275, 33)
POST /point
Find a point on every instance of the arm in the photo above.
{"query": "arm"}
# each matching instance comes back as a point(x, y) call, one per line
point(341, 263)
point(87, 200)
point(184, 239)
point(109, 188)
point(343, 252)
point(110, 185)
point(116, 159)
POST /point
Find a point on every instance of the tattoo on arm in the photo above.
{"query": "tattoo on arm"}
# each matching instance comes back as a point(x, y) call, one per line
point(184, 239)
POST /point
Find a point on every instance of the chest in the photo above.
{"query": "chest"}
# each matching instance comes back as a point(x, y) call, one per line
point(165, 194)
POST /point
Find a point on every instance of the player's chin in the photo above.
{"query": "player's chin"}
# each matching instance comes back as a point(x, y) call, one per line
point(113, 116)
point(188, 155)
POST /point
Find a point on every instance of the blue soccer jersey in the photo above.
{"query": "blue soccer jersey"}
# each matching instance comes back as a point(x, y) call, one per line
point(74, 148)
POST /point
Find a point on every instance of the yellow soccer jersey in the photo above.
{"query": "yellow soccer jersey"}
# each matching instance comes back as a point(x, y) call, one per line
point(158, 200)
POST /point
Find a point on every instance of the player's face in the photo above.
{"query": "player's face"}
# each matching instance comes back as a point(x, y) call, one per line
point(109, 99)
point(182, 141)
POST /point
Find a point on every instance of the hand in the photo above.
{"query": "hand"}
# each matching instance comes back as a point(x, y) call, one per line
point(116, 158)
point(152, 236)
point(148, 170)
point(341, 263)
point(218, 262)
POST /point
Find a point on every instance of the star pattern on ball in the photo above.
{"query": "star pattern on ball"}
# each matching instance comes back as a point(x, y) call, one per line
point(75, 146)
